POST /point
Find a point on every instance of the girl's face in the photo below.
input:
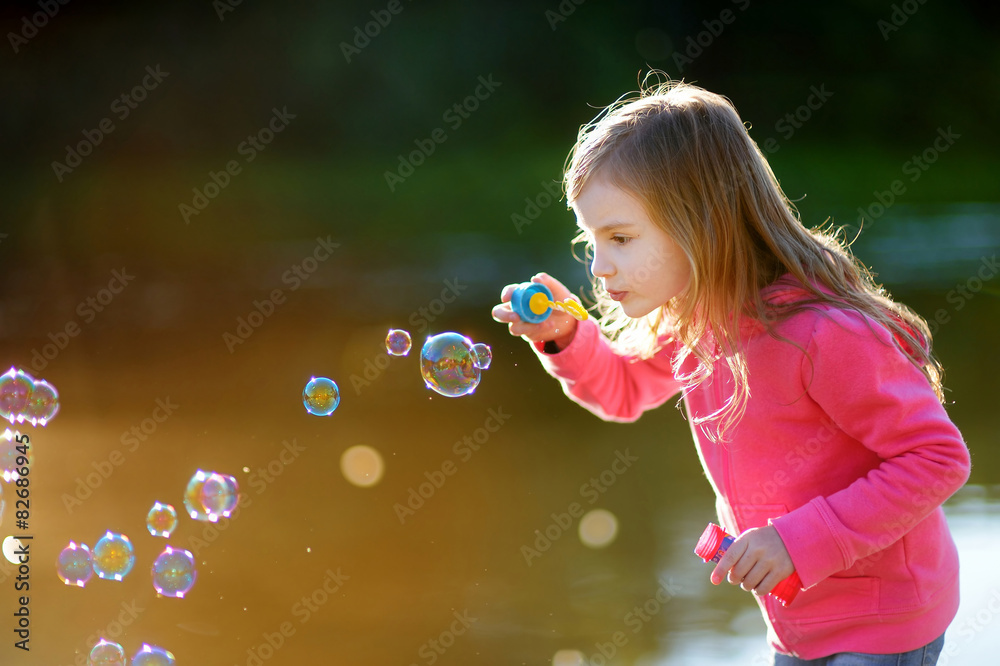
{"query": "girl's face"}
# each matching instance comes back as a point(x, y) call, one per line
point(638, 264)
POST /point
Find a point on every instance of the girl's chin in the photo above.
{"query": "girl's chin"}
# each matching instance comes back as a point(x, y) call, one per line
point(636, 310)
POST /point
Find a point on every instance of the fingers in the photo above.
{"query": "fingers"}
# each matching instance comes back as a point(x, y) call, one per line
point(504, 314)
point(768, 583)
point(507, 292)
point(559, 291)
point(753, 578)
point(728, 561)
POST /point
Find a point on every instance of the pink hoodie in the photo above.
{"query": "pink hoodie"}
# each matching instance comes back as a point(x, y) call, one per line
point(846, 451)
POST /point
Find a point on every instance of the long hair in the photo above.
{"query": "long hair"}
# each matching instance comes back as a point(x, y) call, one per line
point(684, 153)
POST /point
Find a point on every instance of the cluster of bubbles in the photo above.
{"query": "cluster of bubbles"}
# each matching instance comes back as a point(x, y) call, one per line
point(450, 363)
point(106, 653)
point(208, 497)
point(26, 399)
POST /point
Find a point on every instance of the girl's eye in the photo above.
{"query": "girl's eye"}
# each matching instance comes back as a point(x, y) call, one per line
point(620, 240)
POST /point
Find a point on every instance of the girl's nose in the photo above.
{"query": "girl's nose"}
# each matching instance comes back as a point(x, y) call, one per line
point(600, 266)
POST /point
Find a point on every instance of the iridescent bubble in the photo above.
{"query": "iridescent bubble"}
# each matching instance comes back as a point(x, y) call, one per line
point(447, 365)
point(192, 495)
point(106, 653)
point(174, 573)
point(482, 355)
point(43, 403)
point(219, 495)
point(15, 387)
point(321, 396)
point(151, 655)
point(161, 520)
point(75, 565)
point(11, 450)
point(113, 556)
point(397, 342)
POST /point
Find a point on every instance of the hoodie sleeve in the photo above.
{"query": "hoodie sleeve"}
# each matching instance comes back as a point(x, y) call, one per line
point(612, 386)
point(877, 396)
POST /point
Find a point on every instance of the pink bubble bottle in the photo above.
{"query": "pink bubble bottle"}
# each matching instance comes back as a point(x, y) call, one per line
point(713, 544)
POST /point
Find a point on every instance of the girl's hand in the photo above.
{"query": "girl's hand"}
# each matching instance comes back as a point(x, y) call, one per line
point(559, 326)
point(757, 560)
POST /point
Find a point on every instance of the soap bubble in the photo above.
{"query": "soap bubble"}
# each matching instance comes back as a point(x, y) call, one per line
point(9, 454)
point(447, 365)
point(397, 342)
point(174, 573)
point(482, 355)
point(192, 496)
point(15, 388)
point(75, 565)
point(151, 655)
point(219, 495)
point(210, 495)
point(114, 556)
point(161, 520)
point(106, 653)
point(598, 528)
point(362, 466)
point(321, 396)
point(42, 405)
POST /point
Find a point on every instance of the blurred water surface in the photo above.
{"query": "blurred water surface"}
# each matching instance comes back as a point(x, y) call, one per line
point(443, 561)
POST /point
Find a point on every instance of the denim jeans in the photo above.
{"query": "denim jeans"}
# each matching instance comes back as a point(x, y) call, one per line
point(925, 656)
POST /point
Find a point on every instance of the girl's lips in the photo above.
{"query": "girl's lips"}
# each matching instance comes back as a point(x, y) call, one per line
point(617, 295)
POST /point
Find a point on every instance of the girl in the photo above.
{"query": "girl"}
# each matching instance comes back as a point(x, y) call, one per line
point(814, 399)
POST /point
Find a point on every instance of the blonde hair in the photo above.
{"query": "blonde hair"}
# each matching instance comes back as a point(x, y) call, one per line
point(685, 154)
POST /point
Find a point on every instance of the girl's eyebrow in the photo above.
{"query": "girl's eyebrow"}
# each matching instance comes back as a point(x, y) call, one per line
point(614, 225)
